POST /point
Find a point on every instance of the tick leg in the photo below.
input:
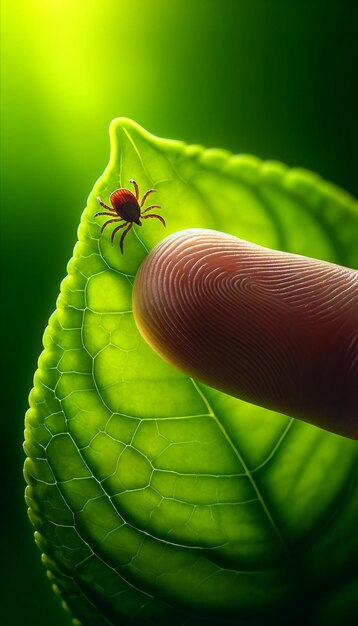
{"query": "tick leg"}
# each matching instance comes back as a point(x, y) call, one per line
point(152, 206)
point(136, 188)
point(117, 229)
point(104, 205)
point(104, 213)
point(146, 196)
point(118, 219)
point(145, 217)
point(124, 234)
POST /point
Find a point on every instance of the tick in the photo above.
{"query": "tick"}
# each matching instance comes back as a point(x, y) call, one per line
point(126, 206)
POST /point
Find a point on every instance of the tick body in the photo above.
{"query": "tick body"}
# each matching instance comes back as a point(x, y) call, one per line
point(128, 209)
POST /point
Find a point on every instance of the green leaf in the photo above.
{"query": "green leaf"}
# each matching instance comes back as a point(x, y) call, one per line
point(157, 499)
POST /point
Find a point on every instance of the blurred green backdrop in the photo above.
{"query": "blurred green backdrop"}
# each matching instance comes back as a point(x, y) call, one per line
point(275, 78)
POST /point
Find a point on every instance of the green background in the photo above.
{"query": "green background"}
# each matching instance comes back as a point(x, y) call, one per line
point(266, 77)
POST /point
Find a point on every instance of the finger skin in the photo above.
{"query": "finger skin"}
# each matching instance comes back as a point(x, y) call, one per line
point(278, 330)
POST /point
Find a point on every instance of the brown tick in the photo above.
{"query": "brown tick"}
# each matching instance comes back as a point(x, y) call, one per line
point(126, 205)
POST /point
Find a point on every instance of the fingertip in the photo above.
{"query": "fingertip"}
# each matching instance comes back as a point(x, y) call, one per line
point(275, 329)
